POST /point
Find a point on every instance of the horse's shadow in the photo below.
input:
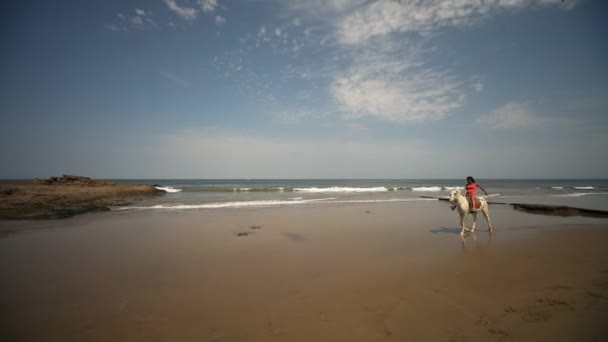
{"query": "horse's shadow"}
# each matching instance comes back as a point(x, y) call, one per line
point(446, 230)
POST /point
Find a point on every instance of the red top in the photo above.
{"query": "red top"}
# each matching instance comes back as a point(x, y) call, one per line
point(472, 189)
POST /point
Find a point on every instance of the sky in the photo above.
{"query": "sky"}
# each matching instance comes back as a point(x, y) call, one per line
point(133, 89)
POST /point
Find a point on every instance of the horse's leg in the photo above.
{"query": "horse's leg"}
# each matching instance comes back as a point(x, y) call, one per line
point(474, 221)
point(462, 219)
point(486, 213)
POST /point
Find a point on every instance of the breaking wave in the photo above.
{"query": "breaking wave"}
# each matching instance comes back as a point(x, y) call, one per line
point(341, 189)
point(269, 203)
point(168, 189)
point(428, 188)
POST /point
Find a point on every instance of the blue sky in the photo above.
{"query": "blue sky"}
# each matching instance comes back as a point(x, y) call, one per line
point(304, 89)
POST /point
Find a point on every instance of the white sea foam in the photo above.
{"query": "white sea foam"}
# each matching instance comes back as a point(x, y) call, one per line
point(450, 188)
point(427, 188)
point(386, 200)
point(583, 188)
point(557, 187)
point(295, 198)
point(269, 203)
point(168, 189)
point(241, 204)
point(490, 195)
point(258, 189)
point(341, 189)
point(580, 194)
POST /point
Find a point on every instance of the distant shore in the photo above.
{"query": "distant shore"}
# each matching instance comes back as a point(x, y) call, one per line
point(60, 197)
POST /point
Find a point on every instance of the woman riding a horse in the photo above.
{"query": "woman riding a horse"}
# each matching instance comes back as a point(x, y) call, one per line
point(470, 204)
point(471, 189)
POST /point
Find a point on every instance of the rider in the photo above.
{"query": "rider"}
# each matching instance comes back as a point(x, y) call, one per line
point(471, 189)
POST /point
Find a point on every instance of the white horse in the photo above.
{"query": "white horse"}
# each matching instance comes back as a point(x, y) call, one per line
point(462, 205)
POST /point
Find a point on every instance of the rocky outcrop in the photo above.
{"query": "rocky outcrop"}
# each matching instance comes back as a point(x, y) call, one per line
point(559, 210)
point(65, 196)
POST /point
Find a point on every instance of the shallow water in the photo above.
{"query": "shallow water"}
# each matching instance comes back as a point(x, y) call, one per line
point(221, 194)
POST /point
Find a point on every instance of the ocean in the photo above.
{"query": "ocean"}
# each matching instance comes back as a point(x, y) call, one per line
point(218, 194)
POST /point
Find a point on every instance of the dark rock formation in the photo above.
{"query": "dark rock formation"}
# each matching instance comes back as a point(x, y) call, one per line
point(59, 197)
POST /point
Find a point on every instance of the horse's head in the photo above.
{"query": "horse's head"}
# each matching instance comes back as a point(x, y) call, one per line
point(454, 194)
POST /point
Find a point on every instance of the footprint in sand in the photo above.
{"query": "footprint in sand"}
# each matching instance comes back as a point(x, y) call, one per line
point(542, 309)
point(482, 321)
point(601, 284)
point(510, 309)
point(501, 334)
point(552, 302)
point(242, 234)
point(535, 316)
point(595, 294)
point(255, 227)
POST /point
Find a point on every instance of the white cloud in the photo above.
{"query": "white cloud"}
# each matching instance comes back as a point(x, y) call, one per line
point(188, 13)
point(395, 88)
point(139, 20)
point(262, 31)
point(219, 20)
point(478, 86)
point(208, 6)
point(384, 17)
point(324, 7)
point(511, 115)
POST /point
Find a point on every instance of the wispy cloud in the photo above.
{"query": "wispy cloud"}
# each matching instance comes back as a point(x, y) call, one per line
point(178, 81)
point(384, 17)
point(511, 115)
point(386, 84)
point(384, 44)
point(208, 6)
point(219, 20)
point(184, 11)
point(139, 19)
point(189, 12)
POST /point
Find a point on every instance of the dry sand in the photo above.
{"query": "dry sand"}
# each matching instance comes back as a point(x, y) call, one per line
point(391, 272)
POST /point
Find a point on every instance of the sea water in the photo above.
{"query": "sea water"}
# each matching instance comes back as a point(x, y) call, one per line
point(205, 194)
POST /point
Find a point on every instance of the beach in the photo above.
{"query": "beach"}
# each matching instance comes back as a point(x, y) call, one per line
point(390, 271)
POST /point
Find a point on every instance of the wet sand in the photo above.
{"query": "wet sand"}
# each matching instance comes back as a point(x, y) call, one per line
point(390, 272)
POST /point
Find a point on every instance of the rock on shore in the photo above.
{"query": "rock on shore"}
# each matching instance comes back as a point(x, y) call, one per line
point(60, 197)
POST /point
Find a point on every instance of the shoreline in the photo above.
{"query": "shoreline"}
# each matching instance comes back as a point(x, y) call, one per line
point(66, 196)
